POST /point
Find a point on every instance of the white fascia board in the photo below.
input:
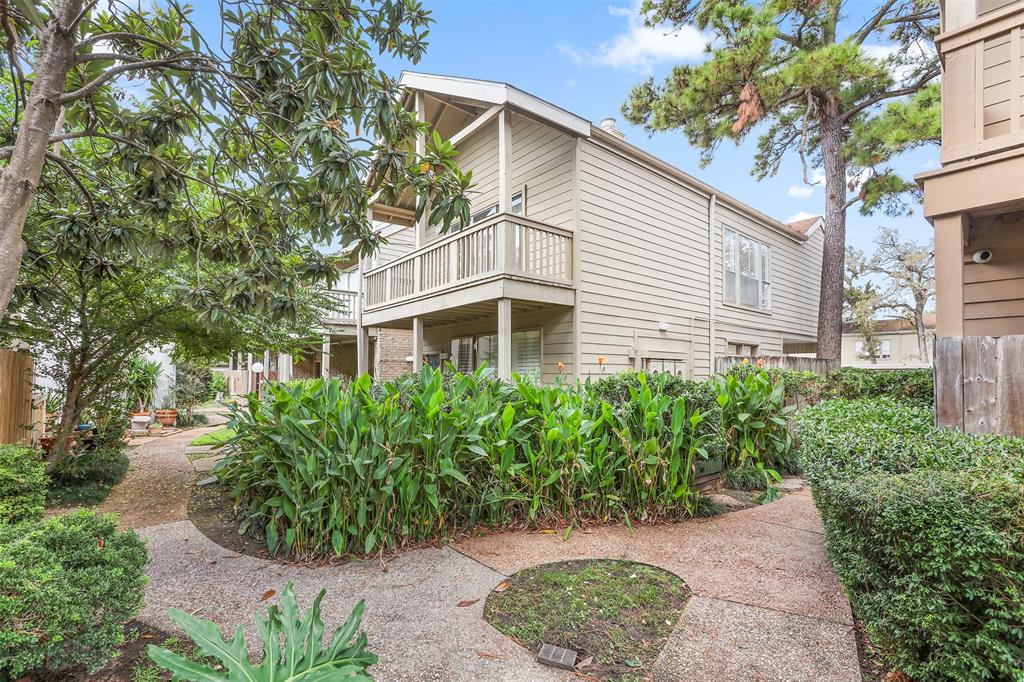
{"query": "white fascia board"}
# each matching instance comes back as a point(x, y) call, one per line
point(490, 92)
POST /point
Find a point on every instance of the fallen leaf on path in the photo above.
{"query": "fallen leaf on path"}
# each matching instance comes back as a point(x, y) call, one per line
point(489, 654)
point(268, 594)
point(502, 586)
point(585, 662)
point(467, 602)
point(546, 531)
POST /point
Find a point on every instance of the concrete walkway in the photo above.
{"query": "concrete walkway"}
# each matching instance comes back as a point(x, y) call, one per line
point(766, 603)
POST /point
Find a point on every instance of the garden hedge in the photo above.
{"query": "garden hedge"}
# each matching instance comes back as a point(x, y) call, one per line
point(925, 528)
point(22, 484)
point(70, 583)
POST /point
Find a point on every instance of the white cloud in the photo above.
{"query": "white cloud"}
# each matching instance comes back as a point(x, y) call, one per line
point(800, 191)
point(802, 215)
point(902, 63)
point(640, 47)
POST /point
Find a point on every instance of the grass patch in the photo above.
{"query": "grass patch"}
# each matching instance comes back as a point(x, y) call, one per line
point(88, 482)
point(618, 613)
point(216, 438)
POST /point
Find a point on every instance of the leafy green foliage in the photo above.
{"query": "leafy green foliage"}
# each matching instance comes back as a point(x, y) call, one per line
point(86, 476)
point(923, 526)
point(326, 469)
point(193, 384)
point(754, 416)
point(293, 647)
point(912, 384)
point(70, 584)
point(22, 484)
point(142, 380)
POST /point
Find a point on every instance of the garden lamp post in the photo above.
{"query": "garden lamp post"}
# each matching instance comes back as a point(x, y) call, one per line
point(257, 368)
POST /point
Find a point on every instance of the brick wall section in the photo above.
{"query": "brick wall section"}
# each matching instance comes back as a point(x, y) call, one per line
point(393, 347)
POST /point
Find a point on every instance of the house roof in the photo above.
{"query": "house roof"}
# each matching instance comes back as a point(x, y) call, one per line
point(498, 94)
point(806, 226)
point(893, 324)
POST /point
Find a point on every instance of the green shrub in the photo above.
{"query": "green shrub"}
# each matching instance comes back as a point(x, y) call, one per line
point(754, 417)
point(799, 388)
point(70, 583)
point(323, 469)
point(22, 484)
point(87, 476)
point(860, 382)
point(924, 528)
point(293, 645)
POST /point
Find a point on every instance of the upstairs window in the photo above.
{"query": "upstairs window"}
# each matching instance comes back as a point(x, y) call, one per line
point(517, 207)
point(748, 271)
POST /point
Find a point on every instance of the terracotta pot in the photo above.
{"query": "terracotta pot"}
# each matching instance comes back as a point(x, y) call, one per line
point(167, 417)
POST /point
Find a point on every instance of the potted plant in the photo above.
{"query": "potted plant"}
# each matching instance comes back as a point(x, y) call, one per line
point(167, 415)
point(141, 383)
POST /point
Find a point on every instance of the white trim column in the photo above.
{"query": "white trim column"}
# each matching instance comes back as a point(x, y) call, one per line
point(325, 357)
point(248, 373)
point(505, 338)
point(504, 161)
point(421, 149)
point(362, 333)
point(417, 344)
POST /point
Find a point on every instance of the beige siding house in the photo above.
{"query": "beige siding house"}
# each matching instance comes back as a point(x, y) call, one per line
point(584, 256)
point(898, 345)
point(976, 203)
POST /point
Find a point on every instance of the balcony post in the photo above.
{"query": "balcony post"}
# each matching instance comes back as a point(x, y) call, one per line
point(504, 161)
point(421, 149)
point(325, 357)
point(505, 338)
point(362, 334)
point(417, 344)
point(501, 250)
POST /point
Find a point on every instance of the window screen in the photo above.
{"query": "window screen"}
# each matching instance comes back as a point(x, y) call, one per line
point(747, 265)
point(526, 352)
point(462, 353)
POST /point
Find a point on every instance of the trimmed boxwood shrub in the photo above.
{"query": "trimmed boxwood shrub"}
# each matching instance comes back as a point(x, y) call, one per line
point(925, 528)
point(22, 484)
point(859, 382)
point(69, 585)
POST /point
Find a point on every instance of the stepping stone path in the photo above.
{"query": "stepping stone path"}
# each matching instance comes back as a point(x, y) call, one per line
point(766, 604)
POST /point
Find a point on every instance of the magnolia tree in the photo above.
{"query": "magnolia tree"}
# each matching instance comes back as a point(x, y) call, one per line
point(247, 145)
point(843, 93)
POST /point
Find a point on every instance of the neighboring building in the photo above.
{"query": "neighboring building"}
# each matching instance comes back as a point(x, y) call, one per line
point(584, 256)
point(976, 203)
point(897, 344)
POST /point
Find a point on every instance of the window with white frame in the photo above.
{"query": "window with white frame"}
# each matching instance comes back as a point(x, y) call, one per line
point(518, 208)
point(885, 350)
point(470, 353)
point(748, 271)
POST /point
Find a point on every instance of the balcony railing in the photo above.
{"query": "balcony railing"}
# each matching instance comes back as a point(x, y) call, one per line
point(347, 301)
point(503, 245)
point(983, 85)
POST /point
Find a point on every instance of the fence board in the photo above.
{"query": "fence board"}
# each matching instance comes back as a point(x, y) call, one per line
point(1011, 385)
point(799, 364)
point(16, 417)
point(981, 384)
point(949, 381)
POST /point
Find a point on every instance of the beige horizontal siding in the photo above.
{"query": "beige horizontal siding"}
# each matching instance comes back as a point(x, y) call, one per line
point(994, 291)
point(399, 244)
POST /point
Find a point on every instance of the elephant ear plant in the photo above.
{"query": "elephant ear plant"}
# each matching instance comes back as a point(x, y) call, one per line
point(300, 657)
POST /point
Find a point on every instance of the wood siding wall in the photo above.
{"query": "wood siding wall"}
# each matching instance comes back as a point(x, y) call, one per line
point(798, 364)
point(16, 417)
point(542, 162)
point(556, 337)
point(399, 244)
point(796, 283)
point(979, 386)
point(994, 291)
point(642, 261)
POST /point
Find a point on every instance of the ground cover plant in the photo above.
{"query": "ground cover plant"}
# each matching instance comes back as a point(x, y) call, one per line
point(70, 583)
point(923, 526)
point(86, 477)
point(215, 438)
point(320, 468)
point(293, 647)
point(616, 613)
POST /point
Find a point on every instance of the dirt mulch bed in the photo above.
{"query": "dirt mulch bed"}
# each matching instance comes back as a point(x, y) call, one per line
point(211, 510)
point(616, 614)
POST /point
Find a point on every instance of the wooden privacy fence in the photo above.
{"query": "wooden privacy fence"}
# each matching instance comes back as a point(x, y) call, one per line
point(979, 383)
point(799, 364)
point(16, 414)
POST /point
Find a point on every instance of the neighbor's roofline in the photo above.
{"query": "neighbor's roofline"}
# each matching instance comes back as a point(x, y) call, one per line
point(496, 92)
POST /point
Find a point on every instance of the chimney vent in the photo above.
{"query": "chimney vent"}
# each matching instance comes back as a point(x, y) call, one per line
point(608, 125)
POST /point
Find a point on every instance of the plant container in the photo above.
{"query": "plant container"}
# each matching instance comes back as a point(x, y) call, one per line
point(167, 417)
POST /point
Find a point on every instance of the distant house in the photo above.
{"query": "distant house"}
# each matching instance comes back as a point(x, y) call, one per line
point(897, 344)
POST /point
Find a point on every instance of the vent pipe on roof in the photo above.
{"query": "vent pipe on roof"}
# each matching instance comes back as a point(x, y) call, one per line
point(608, 125)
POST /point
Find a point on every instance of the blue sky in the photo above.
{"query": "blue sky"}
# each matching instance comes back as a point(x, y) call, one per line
point(585, 56)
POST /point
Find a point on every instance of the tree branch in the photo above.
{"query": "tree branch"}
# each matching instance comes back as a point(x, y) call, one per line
point(70, 172)
point(925, 78)
point(114, 72)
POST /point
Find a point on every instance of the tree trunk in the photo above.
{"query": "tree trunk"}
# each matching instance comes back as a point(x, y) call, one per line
point(922, 335)
point(833, 259)
point(20, 178)
point(68, 420)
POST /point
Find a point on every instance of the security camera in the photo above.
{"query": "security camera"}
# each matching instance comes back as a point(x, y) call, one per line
point(982, 256)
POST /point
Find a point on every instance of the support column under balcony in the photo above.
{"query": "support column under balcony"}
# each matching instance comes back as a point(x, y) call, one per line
point(505, 338)
point(417, 344)
point(325, 357)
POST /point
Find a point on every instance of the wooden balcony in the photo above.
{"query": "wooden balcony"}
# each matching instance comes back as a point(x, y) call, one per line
point(983, 85)
point(505, 256)
point(347, 300)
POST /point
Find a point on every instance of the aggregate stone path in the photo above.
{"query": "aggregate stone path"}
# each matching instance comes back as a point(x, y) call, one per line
point(766, 604)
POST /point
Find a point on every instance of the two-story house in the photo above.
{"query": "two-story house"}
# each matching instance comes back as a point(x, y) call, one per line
point(584, 255)
point(976, 203)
